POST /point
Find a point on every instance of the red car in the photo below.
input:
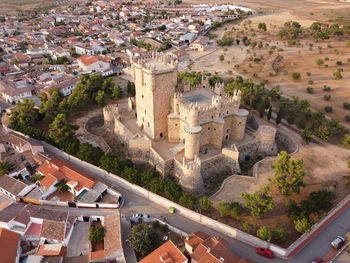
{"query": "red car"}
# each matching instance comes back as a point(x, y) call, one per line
point(264, 252)
point(317, 260)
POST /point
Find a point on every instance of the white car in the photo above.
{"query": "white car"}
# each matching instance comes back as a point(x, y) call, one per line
point(140, 216)
point(338, 242)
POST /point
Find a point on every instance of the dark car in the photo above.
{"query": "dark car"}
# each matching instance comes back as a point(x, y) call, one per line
point(265, 252)
point(316, 260)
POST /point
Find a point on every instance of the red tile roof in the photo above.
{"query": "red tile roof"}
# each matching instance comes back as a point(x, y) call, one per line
point(58, 169)
point(166, 253)
point(91, 59)
point(9, 242)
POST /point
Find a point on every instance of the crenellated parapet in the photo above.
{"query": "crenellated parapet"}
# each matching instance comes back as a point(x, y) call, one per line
point(109, 113)
point(191, 178)
point(155, 63)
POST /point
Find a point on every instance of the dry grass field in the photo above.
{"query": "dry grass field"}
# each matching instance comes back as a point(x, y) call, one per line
point(12, 6)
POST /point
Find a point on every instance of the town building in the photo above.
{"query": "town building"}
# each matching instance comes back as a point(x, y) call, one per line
point(166, 253)
point(9, 246)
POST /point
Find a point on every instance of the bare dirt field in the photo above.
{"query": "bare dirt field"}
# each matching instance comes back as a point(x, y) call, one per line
point(12, 6)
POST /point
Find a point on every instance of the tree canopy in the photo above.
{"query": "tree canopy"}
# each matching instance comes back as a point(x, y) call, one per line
point(143, 239)
point(259, 202)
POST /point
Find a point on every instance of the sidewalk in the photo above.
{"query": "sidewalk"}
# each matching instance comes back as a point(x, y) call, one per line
point(129, 253)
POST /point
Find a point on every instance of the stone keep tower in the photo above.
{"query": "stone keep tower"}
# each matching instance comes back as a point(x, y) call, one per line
point(155, 81)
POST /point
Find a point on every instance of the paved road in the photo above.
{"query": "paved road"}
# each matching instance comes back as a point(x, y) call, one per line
point(319, 247)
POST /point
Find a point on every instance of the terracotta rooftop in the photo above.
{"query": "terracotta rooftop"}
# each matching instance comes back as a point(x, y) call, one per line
point(91, 59)
point(9, 242)
point(52, 250)
point(10, 212)
point(166, 253)
point(34, 230)
point(59, 169)
point(49, 214)
point(112, 240)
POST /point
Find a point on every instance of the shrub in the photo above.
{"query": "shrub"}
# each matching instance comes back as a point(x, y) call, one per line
point(337, 75)
point(308, 74)
point(311, 82)
point(339, 63)
point(221, 58)
point(310, 90)
point(224, 209)
point(279, 233)
point(296, 75)
point(302, 225)
point(347, 118)
point(96, 233)
point(205, 203)
point(328, 109)
point(264, 233)
point(248, 227)
point(346, 105)
point(327, 97)
point(236, 211)
point(327, 88)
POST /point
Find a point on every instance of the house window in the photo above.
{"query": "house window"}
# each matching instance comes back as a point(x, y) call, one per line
point(175, 124)
point(226, 137)
point(227, 130)
point(161, 135)
point(212, 116)
point(208, 128)
point(148, 124)
point(227, 112)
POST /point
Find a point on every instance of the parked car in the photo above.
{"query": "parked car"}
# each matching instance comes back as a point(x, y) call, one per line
point(265, 252)
point(317, 260)
point(140, 216)
point(338, 242)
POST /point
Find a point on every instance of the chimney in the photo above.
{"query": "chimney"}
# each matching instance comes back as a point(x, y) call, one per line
point(222, 259)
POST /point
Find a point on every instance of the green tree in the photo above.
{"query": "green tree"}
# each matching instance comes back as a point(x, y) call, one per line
point(296, 75)
point(337, 75)
point(262, 26)
point(323, 133)
point(62, 186)
point(89, 153)
point(307, 135)
point(264, 233)
point(289, 174)
point(116, 92)
point(101, 98)
point(188, 200)
point(157, 186)
point(172, 190)
point(236, 210)
point(224, 209)
point(110, 163)
point(302, 225)
point(143, 239)
point(130, 88)
point(50, 106)
point(6, 167)
point(24, 114)
point(60, 130)
point(279, 233)
point(320, 62)
point(259, 202)
point(248, 227)
point(346, 141)
point(96, 233)
point(205, 203)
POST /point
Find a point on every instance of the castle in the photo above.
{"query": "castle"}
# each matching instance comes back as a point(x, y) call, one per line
point(189, 135)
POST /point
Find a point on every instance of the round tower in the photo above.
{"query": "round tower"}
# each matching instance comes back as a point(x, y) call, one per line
point(238, 125)
point(266, 137)
point(191, 178)
point(109, 112)
point(192, 134)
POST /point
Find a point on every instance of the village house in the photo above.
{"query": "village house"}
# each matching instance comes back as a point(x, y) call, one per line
point(93, 63)
point(10, 248)
point(200, 44)
point(12, 187)
point(168, 252)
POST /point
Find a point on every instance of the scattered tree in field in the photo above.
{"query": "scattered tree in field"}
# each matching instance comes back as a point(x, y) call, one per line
point(224, 208)
point(221, 58)
point(259, 202)
point(323, 133)
point(310, 90)
point(101, 98)
point(248, 227)
point(337, 75)
point(346, 141)
point(320, 62)
point(96, 233)
point(307, 135)
point(296, 75)
point(289, 174)
point(205, 203)
point(262, 26)
point(328, 109)
point(327, 97)
point(143, 239)
point(264, 233)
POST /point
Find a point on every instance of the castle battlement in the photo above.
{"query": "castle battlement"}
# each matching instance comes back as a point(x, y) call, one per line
point(110, 112)
point(156, 63)
point(191, 166)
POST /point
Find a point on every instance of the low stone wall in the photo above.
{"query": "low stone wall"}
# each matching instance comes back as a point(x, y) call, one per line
point(218, 164)
point(166, 167)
